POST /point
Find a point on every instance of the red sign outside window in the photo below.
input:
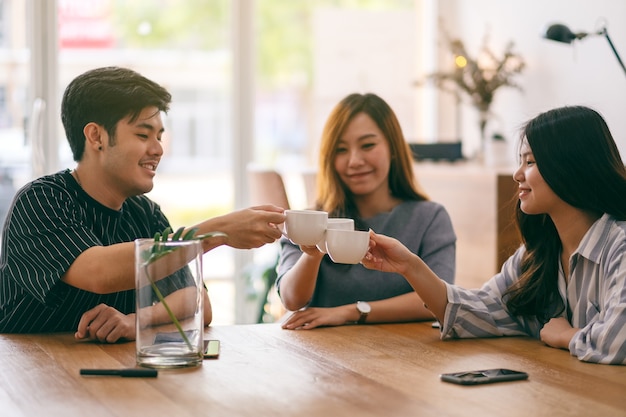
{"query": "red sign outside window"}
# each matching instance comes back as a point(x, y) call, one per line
point(85, 24)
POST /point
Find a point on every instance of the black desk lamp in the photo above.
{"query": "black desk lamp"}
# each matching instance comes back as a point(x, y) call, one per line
point(562, 33)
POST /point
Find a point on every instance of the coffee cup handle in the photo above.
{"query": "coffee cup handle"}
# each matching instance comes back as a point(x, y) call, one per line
point(323, 242)
point(281, 228)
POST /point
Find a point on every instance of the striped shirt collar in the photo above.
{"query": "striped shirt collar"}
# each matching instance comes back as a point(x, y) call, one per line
point(596, 238)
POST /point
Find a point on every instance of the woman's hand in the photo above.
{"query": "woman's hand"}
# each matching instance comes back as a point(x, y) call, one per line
point(387, 254)
point(557, 333)
point(312, 251)
point(313, 317)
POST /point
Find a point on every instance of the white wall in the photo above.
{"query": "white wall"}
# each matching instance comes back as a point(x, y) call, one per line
point(557, 74)
point(364, 52)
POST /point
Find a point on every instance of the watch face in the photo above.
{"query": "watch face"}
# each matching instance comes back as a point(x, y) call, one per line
point(363, 307)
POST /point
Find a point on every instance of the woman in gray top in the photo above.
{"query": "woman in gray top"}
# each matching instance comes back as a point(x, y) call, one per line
point(365, 173)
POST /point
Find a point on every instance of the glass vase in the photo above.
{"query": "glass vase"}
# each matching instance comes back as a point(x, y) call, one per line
point(169, 303)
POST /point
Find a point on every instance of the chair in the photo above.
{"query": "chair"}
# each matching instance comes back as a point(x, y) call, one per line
point(266, 186)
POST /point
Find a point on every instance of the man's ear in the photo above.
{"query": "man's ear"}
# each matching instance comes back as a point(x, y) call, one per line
point(94, 134)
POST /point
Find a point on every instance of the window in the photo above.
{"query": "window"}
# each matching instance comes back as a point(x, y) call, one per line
point(305, 56)
point(14, 77)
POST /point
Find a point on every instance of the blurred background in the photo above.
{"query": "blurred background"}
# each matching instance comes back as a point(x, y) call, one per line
point(254, 80)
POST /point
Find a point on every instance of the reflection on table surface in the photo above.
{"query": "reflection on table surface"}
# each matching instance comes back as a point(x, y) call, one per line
point(262, 370)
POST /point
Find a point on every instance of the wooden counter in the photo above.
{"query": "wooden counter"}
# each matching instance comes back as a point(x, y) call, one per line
point(480, 201)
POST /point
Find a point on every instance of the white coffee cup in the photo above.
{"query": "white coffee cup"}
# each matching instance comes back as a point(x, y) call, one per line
point(335, 223)
point(347, 246)
point(305, 227)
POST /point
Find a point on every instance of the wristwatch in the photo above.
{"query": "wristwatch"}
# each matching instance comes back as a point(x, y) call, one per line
point(363, 308)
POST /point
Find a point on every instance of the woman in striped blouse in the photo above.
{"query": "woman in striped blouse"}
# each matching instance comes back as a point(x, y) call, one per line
point(566, 284)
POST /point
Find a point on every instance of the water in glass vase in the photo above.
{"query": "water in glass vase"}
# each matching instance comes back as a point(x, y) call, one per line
point(169, 303)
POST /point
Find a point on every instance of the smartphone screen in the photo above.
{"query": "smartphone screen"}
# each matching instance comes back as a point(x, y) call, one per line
point(211, 349)
point(485, 376)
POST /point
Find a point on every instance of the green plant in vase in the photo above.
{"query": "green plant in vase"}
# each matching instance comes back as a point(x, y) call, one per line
point(158, 251)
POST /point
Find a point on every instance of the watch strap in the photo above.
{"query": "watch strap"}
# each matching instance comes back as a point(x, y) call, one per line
point(362, 318)
point(363, 315)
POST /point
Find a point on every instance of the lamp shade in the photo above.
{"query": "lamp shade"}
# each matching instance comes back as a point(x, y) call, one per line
point(560, 33)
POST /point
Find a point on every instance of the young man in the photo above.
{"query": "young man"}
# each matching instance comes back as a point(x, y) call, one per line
point(67, 251)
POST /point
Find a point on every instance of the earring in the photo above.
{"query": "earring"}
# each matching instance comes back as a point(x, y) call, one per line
point(99, 148)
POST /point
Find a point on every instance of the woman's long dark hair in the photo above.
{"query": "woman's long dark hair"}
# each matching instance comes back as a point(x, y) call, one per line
point(579, 160)
point(332, 195)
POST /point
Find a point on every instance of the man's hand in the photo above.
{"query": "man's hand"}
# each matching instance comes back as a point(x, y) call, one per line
point(252, 227)
point(106, 324)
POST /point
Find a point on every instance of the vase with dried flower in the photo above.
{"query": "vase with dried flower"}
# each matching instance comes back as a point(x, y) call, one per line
point(479, 78)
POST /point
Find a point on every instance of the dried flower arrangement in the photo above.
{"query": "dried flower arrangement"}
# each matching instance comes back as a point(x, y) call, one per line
point(479, 78)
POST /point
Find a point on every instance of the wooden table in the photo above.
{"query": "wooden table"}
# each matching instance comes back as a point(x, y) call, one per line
point(369, 370)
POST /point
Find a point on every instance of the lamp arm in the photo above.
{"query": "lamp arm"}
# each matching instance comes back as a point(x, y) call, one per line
point(606, 35)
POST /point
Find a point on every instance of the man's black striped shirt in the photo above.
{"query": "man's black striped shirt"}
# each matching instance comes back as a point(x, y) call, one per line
point(52, 221)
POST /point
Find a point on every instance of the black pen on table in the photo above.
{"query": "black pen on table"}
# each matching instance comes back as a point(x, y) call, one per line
point(128, 373)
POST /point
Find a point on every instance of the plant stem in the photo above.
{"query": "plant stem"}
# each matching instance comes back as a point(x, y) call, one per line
point(159, 295)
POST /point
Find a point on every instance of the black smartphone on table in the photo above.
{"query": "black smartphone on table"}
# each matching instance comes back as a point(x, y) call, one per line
point(486, 376)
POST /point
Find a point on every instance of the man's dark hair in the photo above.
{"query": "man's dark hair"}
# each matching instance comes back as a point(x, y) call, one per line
point(105, 96)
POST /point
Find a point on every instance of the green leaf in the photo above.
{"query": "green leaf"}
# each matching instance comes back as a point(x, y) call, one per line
point(190, 233)
point(178, 233)
point(166, 234)
point(157, 238)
